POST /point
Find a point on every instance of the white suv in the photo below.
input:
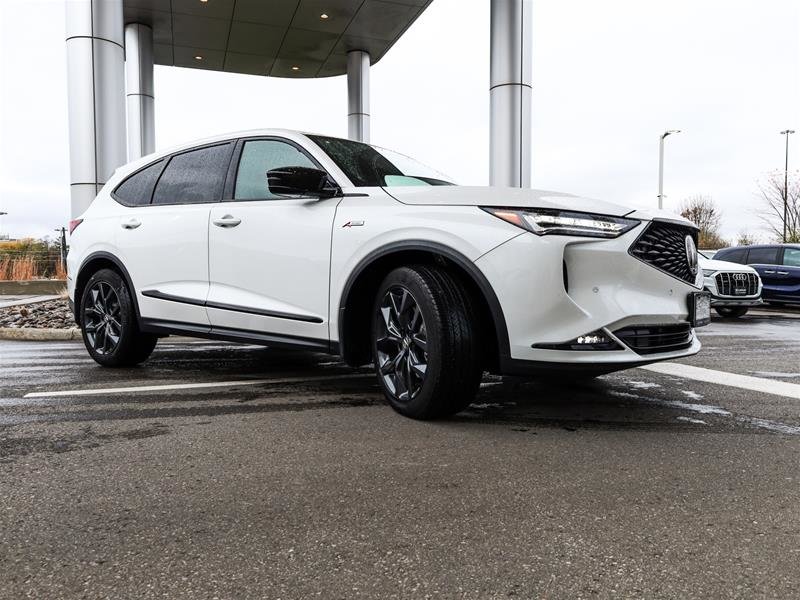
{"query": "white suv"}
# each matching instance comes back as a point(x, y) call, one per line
point(286, 239)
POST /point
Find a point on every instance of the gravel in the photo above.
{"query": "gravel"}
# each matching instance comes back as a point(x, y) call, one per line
point(53, 314)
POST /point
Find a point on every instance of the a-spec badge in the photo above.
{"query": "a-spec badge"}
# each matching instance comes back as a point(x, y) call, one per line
point(353, 224)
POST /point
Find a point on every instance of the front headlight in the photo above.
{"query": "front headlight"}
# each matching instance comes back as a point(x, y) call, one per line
point(708, 272)
point(547, 221)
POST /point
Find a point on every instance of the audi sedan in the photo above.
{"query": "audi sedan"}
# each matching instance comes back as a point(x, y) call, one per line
point(285, 239)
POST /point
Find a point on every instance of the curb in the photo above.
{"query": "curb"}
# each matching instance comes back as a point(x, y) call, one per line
point(39, 335)
point(35, 287)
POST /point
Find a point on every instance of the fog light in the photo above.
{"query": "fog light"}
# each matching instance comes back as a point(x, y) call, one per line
point(596, 340)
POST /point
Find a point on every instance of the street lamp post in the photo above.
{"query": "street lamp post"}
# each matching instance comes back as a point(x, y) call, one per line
point(661, 165)
point(1, 229)
point(787, 133)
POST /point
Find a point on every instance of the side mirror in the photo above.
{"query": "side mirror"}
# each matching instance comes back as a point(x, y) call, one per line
point(301, 181)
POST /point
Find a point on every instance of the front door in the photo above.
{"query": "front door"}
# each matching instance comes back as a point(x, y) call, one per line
point(269, 255)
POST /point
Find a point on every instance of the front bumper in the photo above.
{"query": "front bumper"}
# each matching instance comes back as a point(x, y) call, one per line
point(553, 289)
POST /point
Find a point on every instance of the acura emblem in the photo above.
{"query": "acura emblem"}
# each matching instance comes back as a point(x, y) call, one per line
point(691, 254)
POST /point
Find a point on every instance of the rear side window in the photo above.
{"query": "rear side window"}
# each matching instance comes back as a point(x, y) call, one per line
point(260, 156)
point(791, 257)
point(194, 177)
point(736, 255)
point(763, 256)
point(137, 189)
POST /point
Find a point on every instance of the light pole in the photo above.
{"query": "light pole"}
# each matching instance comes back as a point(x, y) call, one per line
point(661, 165)
point(787, 133)
point(1, 229)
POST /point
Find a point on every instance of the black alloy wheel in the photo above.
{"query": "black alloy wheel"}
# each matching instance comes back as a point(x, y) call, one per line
point(425, 342)
point(109, 323)
point(402, 344)
point(102, 318)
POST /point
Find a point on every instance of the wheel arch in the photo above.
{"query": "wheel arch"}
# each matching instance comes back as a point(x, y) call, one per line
point(93, 263)
point(356, 300)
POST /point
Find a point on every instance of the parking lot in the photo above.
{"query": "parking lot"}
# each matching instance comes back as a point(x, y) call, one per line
point(229, 471)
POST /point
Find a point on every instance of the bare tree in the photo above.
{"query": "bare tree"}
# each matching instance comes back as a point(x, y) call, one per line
point(703, 212)
point(745, 238)
point(771, 193)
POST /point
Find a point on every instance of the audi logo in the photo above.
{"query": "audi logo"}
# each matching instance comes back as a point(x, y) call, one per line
point(740, 276)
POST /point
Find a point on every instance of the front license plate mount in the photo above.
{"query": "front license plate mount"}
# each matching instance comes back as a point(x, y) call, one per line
point(699, 309)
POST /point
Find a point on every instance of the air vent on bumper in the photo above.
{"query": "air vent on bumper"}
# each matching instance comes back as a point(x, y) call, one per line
point(655, 339)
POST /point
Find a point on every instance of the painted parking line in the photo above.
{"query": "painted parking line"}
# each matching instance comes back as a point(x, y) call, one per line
point(744, 382)
point(193, 386)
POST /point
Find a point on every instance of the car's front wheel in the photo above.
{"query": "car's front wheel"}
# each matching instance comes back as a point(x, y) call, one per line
point(108, 322)
point(731, 312)
point(425, 344)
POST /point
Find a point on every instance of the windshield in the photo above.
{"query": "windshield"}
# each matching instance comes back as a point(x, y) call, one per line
point(368, 166)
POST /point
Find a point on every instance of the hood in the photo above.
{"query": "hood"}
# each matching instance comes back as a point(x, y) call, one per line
point(457, 195)
point(723, 265)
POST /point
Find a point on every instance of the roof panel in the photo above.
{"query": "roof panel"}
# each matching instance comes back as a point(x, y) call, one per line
point(245, 36)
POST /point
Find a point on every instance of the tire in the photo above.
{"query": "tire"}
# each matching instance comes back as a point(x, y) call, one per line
point(731, 312)
point(108, 322)
point(425, 344)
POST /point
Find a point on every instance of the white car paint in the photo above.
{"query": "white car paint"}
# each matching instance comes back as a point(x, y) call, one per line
point(296, 256)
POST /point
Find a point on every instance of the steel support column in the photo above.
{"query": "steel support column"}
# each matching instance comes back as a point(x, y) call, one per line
point(139, 90)
point(510, 93)
point(358, 96)
point(96, 96)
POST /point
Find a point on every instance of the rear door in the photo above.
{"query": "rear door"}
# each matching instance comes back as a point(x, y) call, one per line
point(790, 271)
point(269, 260)
point(164, 242)
point(766, 260)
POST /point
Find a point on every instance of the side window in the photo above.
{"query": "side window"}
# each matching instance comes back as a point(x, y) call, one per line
point(791, 257)
point(137, 189)
point(260, 156)
point(763, 256)
point(736, 255)
point(194, 177)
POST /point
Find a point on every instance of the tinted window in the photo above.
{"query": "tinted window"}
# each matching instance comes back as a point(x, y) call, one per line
point(260, 156)
point(194, 177)
point(791, 257)
point(137, 189)
point(763, 256)
point(736, 255)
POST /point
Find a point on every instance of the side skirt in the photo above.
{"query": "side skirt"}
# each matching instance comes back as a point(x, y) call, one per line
point(227, 334)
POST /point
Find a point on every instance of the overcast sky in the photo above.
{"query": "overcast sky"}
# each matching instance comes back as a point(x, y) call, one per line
point(608, 77)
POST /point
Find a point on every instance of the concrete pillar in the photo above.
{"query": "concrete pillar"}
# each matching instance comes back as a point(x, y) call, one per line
point(358, 95)
point(96, 96)
point(510, 93)
point(139, 90)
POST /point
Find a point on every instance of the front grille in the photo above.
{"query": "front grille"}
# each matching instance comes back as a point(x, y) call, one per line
point(729, 283)
point(653, 339)
point(663, 245)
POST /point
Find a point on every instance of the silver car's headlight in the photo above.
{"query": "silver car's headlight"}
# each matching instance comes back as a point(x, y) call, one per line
point(547, 221)
point(708, 272)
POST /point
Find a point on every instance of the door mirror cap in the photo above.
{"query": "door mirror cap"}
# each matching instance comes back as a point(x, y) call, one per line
point(301, 181)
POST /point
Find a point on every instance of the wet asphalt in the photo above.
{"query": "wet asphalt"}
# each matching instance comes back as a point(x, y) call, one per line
point(305, 484)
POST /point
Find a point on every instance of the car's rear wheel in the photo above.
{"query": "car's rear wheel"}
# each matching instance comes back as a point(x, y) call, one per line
point(731, 312)
point(108, 322)
point(425, 345)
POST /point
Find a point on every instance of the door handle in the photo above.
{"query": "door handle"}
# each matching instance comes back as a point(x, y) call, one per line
point(131, 224)
point(227, 221)
point(769, 272)
point(783, 272)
